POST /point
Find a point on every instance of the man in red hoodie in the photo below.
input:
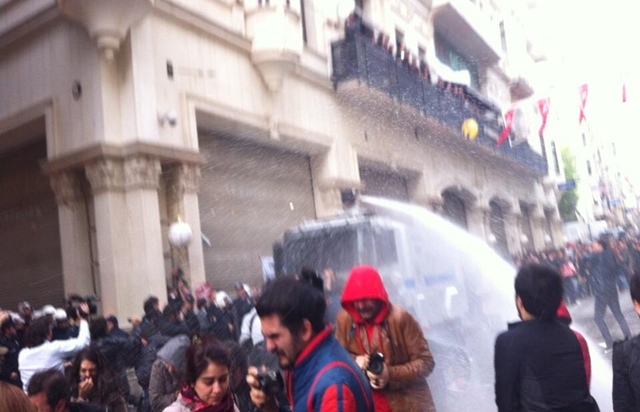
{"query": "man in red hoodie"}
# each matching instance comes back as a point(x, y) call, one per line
point(369, 325)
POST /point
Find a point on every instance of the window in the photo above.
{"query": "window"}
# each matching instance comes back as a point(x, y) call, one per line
point(589, 167)
point(456, 60)
point(584, 140)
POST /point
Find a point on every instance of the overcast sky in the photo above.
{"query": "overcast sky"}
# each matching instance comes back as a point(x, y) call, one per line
point(593, 42)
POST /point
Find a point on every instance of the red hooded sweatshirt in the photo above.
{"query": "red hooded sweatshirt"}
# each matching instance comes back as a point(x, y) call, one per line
point(364, 282)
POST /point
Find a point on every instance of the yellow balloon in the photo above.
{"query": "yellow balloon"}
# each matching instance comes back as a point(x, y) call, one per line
point(470, 128)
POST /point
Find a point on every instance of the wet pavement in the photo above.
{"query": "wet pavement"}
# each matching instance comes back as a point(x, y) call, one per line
point(582, 314)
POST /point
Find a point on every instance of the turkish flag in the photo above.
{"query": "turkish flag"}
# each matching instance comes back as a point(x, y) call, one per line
point(624, 92)
point(584, 93)
point(543, 107)
point(508, 122)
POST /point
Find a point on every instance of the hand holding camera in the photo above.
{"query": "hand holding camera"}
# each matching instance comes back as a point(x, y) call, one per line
point(264, 386)
point(377, 371)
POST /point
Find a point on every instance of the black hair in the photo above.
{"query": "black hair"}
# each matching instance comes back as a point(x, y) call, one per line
point(53, 383)
point(310, 275)
point(200, 355)
point(294, 301)
point(114, 321)
point(105, 383)
point(38, 332)
point(634, 286)
point(99, 328)
point(540, 289)
point(202, 302)
point(149, 305)
point(7, 324)
point(172, 308)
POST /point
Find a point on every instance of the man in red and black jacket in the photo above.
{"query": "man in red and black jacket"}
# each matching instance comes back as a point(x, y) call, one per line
point(319, 374)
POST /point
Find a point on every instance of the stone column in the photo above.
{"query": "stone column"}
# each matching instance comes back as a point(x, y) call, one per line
point(182, 199)
point(333, 171)
point(512, 230)
point(75, 236)
point(538, 228)
point(129, 240)
point(477, 220)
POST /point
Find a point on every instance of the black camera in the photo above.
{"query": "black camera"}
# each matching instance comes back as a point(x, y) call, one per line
point(74, 300)
point(376, 363)
point(271, 382)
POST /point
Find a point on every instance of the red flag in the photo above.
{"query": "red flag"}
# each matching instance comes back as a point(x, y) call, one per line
point(508, 122)
point(624, 92)
point(584, 92)
point(543, 107)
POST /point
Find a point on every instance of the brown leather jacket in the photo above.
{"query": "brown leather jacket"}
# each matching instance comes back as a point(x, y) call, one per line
point(398, 336)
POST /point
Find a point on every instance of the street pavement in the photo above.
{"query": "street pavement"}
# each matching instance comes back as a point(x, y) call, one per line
point(582, 314)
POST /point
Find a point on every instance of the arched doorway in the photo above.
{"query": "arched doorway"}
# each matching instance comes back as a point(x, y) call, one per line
point(454, 207)
point(497, 211)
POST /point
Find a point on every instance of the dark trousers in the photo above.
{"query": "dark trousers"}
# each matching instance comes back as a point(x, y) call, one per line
point(601, 304)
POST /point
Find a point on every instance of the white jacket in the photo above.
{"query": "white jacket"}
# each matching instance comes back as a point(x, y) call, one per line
point(51, 354)
point(251, 327)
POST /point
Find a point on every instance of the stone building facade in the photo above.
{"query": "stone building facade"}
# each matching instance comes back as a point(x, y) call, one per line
point(240, 118)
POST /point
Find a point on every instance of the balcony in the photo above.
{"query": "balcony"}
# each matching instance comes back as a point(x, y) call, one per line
point(470, 31)
point(358, 59)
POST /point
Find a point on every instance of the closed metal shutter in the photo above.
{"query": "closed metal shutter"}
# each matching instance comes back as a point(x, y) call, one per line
point(249, 195)
point(384, 184)
point(30, 254)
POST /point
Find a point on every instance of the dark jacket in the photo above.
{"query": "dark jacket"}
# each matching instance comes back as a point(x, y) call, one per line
point(604, 274)
point(539, 366)
point(10, 364)
point(220, 321)
point(119, 352)
point(626, 375)
point(396, 334)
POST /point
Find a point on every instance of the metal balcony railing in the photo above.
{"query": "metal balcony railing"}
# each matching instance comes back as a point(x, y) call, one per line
point(358, 58)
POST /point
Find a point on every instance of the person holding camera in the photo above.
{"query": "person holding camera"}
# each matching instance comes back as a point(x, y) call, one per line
point(319, 374)
point(386, 342)
point(41, 353)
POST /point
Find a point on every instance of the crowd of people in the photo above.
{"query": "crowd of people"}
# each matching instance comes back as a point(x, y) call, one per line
point(277, 350)
point(93, 355)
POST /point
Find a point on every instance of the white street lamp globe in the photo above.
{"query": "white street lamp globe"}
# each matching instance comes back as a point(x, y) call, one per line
point(524, 238)
point(491, 238)
point(180, 234)
point(547, 239)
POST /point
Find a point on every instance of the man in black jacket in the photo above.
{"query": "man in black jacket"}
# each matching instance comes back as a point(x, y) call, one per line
point(626, 363)
point(604, 274)
point(539, 364)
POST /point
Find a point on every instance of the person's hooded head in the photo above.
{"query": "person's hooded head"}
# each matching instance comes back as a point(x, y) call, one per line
point(365, 297)
point(174, 353)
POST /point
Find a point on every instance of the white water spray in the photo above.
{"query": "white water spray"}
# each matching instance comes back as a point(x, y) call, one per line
point(480, 303)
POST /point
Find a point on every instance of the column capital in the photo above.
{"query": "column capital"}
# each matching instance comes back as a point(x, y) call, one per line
point(105, 174)
point(185, 178)
point(67, 187)
point(132, 172)
point(142, 172)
